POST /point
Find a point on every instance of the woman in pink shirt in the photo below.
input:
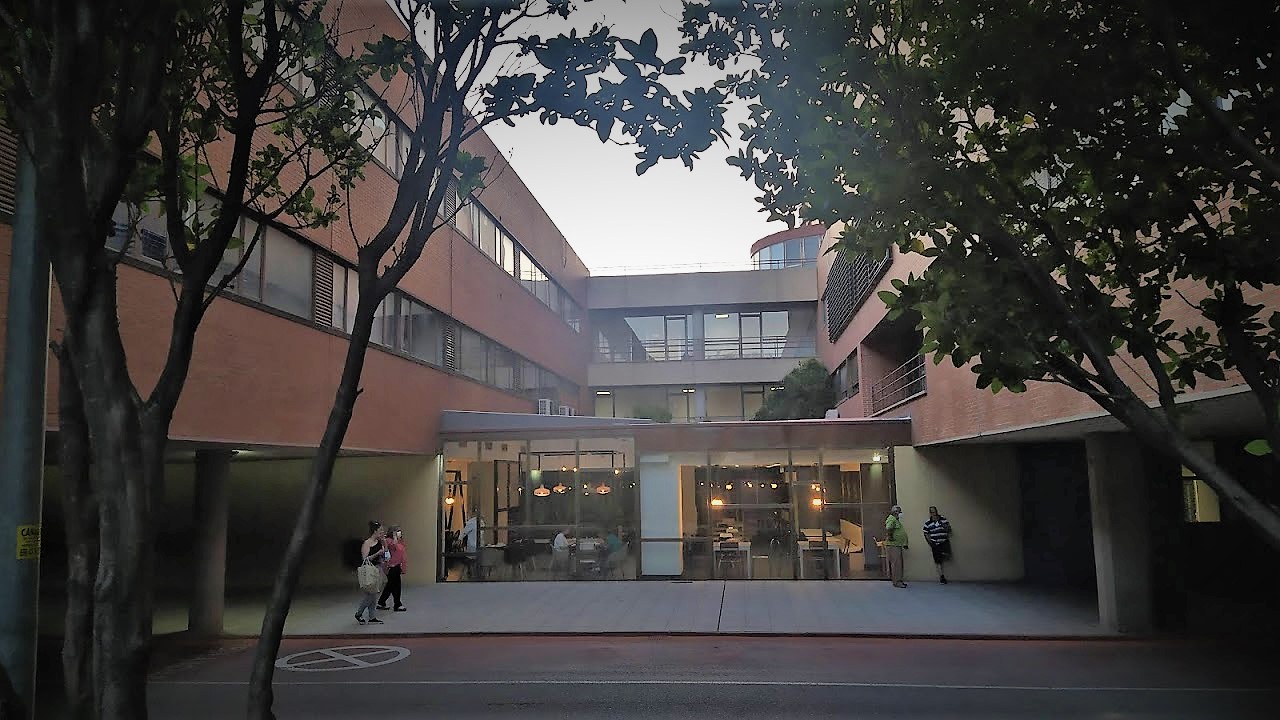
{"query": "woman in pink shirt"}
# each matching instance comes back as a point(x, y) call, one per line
point(396, 566)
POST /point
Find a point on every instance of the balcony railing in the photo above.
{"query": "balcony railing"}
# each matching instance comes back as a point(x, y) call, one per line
point(906, 381)
point(779, 346)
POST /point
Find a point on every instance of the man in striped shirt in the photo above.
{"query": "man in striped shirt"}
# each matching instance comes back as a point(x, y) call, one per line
point(937, 532)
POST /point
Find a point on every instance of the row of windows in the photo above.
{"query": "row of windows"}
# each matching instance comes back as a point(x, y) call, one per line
point(788, 253)
point(721, 335)
point(388, 141)
point(292, 277)
point(481, 230)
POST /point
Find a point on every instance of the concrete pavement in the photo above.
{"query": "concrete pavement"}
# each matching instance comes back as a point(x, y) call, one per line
point(724, 607)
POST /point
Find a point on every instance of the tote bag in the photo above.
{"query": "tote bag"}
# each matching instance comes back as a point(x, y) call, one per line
point(369, 578)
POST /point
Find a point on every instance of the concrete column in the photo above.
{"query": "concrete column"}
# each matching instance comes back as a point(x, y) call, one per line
point(210, 506)
point(660, 515)
point(1121, 532)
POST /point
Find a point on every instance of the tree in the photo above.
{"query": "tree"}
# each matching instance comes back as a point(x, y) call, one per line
point(1096, 184)
point(806, 393)
point(125, 102)
point(613, 85)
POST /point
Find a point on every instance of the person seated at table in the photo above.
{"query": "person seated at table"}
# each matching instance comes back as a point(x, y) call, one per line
point(614, 541)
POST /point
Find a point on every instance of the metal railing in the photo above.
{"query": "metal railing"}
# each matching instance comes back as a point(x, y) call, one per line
point(777, 346)
point(675, 268)
point(905, 381)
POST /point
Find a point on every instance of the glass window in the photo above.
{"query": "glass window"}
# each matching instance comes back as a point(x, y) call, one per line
point(487, 234)
point(724, 402)
point(527, 272)
point(553, 296)
point(250, 283)
point(793, 253)
point(383, 331)
point(752, 400)
point(649, 338)
point(573, 315)
point(604, 403)
point(502, 367)
point(340, 274)
point(507, 249)
point(353, 298)
point(721, 333)
point(811, 245)
point(473, 351)
point(286, 273)
point(463, 219)
point(529, 378)
point(425, 331)
point(680, 403)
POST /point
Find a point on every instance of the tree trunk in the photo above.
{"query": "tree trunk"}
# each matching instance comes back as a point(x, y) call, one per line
point(81, 518)
point(122, 478)
point(261, 695)
point(1152, 427)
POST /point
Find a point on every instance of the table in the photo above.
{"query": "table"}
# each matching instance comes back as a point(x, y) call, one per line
point(743, 547)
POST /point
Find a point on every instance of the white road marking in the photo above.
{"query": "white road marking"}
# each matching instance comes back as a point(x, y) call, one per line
point(743, 683)
point(346, 660)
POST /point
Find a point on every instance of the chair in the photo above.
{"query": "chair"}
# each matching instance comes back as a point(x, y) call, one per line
point(816, 558)
point(728, 558)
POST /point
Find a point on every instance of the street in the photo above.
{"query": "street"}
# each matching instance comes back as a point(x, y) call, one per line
point(730, 677)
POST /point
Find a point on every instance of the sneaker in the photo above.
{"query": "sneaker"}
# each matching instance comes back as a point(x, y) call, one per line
point(401, 608)
point(943, 580)
point(375, 621)
point(382, 607)
point(359, 619)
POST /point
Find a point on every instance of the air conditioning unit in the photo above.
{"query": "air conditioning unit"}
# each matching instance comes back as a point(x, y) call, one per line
point(546, 406)
point(566, 410)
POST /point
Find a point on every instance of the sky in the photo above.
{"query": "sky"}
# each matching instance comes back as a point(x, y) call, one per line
point(669, 216)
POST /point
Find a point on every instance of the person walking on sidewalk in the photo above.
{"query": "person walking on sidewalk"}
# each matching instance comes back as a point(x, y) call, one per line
point(373, 553)
point(397, 565)
point(937, 532)
point(895, 543)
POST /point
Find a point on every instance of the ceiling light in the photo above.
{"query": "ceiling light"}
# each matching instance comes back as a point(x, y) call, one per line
point(876, 457)
point(603, 489)
point(560, 488)
point(603, 392)
point(816, 502)
point(449, 500)
point(722, 316)
point(717, 502)
point(541, 491)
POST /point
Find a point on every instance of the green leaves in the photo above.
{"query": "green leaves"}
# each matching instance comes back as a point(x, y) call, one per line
point(1258, 448)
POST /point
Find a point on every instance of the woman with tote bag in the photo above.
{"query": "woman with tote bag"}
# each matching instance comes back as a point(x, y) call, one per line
point(369, 576)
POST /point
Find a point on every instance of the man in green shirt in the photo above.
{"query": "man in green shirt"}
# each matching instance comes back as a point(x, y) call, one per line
point(894, 544)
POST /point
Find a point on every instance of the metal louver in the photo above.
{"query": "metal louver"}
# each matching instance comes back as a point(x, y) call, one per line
point(322, 288)
point(8, 170)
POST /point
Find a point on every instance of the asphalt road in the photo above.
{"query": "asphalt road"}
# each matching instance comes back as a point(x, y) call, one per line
point(733, 677)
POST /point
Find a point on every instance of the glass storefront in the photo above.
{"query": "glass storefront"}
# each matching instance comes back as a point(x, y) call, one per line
point(570, 509)
point(539, 510)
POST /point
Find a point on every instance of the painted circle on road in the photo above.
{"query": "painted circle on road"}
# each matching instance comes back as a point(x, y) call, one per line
point(346, 657)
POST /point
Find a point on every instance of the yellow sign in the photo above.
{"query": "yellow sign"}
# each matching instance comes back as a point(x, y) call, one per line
point(28, 542)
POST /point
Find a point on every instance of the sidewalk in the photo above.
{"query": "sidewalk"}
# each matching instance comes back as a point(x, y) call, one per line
point(707, 607)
